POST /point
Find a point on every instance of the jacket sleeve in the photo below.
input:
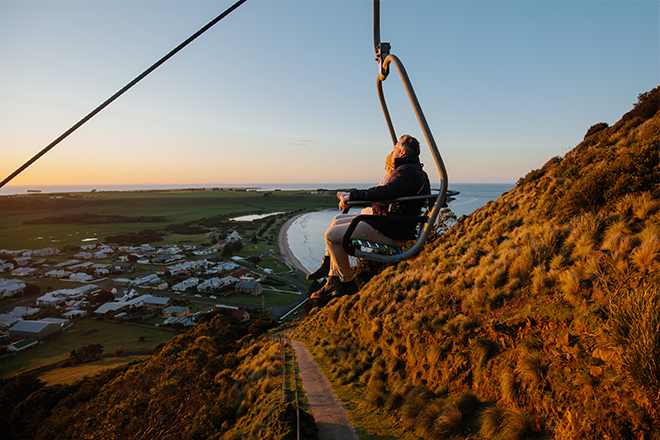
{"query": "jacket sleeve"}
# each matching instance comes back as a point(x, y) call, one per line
point(402, 182)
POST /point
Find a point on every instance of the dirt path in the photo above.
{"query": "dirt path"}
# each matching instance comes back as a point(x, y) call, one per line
point(330, 416)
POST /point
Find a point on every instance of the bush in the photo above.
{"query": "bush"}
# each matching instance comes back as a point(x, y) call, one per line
point(596, 128)
point(634, 325)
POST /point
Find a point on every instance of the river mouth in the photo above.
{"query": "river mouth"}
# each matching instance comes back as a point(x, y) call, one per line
point(252, 217)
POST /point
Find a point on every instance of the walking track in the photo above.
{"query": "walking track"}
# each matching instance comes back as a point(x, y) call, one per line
point(328, 413)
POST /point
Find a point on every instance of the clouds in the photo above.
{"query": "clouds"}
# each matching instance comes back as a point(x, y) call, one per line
point(301, 143)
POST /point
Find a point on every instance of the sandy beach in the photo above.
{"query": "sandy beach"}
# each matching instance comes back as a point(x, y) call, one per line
point(283, 243)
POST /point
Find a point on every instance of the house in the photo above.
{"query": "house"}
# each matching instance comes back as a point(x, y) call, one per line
point(150, 301)
point(156, 302)
point(82, 266)
point(121, 267)
point(51, 299)
point(175, 311)
point(58, 273)
point(241, 315)
point(4, 266)
point(233, 237)
point(47, 251)
point(240, 273)
point(23, 344)
point(80, 277)
point(111, 307)
point(186, 284)
point(22, 261)
point(250, 287)
point(23, 271)
point(74, 314)
point(57, 297)
point(39, 330)
point(22, 312)
point(8, 320)
point(186, 321)
point(10, 287)
point(146, 280)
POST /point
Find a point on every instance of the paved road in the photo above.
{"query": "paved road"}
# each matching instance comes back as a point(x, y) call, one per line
point(328, 413)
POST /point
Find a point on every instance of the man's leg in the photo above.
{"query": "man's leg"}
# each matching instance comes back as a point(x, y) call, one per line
point(323, 270)
point(339, 264)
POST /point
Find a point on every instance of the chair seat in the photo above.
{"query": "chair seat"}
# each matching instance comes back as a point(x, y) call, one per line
point(388, 250)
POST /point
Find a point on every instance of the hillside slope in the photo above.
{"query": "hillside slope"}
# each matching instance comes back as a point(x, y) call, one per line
point(538, 316)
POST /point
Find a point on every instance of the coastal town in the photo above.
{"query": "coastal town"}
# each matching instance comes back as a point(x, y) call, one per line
point(165, 287)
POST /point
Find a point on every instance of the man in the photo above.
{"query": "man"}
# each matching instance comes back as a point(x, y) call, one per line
point(407, 179)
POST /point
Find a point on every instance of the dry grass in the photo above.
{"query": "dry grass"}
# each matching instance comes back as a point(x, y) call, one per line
point(508, 387)
point(510, 305)
point(646, 255)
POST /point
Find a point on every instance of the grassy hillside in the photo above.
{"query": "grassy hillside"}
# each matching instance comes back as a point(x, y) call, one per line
point(538, 316)
point(218, 381)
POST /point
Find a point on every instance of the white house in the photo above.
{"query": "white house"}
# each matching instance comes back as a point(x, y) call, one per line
point(9, 287)
point(46, 252)
point(4, 266)
point(111, 307)
point(8, 320)
point(186, 284)
point(23, 271)
point(51, 299)
point(74, 314)
point(80, 277)
point(233, 237)
point(23, 312)
point(58, 273)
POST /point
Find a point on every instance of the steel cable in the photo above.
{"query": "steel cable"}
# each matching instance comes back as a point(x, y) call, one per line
point(122, 91)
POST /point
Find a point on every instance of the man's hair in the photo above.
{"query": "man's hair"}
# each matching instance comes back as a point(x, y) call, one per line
point(410, 144)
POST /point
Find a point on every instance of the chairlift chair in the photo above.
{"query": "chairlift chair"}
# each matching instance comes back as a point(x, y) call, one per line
point(434, 203)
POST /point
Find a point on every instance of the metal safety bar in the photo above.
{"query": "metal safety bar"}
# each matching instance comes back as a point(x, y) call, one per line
point(384, 59)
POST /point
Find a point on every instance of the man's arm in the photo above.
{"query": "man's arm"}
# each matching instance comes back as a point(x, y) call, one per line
point(403, 182)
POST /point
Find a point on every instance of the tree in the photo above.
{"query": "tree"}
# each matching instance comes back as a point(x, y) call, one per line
point(119, 352)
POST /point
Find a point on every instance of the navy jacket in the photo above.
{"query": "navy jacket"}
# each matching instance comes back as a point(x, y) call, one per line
point(407, 179)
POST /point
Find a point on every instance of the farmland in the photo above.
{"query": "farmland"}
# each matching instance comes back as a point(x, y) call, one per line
point(177, 212)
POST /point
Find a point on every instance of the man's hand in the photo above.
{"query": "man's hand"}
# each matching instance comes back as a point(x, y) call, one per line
point(343, 198)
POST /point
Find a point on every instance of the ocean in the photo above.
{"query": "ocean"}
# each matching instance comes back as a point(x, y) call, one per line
point(305, 236)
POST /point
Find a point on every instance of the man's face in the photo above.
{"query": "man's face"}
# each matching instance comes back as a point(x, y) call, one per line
point(398, 151)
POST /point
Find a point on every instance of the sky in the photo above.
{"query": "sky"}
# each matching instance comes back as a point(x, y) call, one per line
point(284, 91)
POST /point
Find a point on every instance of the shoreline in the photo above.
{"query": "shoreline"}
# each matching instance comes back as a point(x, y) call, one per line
point(283, 243)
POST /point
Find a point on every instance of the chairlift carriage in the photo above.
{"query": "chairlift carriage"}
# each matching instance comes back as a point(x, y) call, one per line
point(433, 203)
point(357, 248)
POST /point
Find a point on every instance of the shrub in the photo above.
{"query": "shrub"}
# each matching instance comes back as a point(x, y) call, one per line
point(596, 128)
point(648, 251)
point(516, 425)
point(449, 422)
point(634, 324)
point(531, 368)
point(508, 387)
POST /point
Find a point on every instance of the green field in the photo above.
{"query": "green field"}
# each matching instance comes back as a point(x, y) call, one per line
point(177, 208)
point(109, 334)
